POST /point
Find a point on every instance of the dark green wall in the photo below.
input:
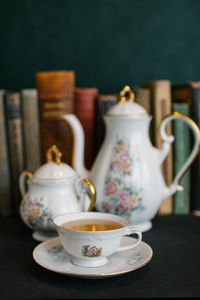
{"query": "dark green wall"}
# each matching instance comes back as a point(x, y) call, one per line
point(109, 43)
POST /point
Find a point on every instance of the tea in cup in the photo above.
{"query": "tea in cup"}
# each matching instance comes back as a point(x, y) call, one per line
point(90, 237)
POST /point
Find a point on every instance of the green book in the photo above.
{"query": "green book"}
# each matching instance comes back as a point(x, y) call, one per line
point(181, 150)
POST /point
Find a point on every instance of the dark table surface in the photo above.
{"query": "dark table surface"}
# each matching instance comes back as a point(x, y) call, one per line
point(174, 270)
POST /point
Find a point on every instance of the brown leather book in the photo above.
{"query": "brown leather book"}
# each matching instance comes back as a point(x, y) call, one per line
point(56, 97)
point(161, 107)
point(84, 109)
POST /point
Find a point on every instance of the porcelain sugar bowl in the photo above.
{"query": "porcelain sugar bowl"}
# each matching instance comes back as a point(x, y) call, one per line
point(54, 189)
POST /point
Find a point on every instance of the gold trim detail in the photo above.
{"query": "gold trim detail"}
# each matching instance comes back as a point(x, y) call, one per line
point(92, 193)
point(126, 94)
point(196, 129)
point(29, 174)
point(58, 154)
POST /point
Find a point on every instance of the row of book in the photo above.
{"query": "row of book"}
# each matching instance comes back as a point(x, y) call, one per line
point(30, 124)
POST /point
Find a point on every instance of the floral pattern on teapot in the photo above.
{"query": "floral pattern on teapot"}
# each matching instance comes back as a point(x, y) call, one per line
point(121, 198)
point(35, 212)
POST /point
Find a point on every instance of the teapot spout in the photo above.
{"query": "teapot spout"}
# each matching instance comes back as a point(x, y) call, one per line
point(168, 191)
point(78, 145)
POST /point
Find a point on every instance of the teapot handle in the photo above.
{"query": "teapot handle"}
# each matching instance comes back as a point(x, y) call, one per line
point(169, 139)
point(22, 181)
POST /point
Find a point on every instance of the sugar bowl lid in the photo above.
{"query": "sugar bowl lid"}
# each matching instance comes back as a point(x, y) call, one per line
point(126, 107)
point(54, 171)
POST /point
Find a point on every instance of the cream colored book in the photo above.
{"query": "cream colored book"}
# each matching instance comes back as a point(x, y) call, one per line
point(143, 97)
point(161, 101)
point(30, 109)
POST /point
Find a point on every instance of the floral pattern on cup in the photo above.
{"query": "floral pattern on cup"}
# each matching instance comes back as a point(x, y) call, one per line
point(122, 196)
point(36, 213)
point(91, 251)
point(56, 250)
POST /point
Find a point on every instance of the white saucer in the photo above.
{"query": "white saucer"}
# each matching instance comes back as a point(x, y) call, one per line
point(52, 256)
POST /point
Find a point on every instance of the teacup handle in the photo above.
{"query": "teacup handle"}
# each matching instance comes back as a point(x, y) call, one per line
point(92, 193)
point(131, 230)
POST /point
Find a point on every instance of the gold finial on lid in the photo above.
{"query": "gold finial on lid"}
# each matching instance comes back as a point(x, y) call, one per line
point(58, 154)
point(126, 94)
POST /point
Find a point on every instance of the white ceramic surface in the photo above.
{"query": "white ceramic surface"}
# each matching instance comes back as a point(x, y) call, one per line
point(127, 171)
point(91, 248)
point(54, 189)
point(52, 256)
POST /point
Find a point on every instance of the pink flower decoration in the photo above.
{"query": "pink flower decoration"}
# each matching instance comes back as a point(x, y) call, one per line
point(122, 206)
point(111, 188)
point(124, 156)
point(124, 195)
point(90, 252)
point(30, 207)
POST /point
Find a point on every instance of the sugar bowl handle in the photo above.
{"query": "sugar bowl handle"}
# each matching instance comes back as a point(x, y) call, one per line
point(81, 192)
point(92, 193)
point(22, 181)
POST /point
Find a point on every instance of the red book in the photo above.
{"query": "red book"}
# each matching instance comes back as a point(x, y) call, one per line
point(84, 109)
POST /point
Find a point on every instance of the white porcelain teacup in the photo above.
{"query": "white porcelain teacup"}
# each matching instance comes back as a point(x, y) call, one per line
point(96, 236)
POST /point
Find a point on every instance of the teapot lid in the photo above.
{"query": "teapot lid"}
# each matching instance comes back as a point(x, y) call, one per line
point(126, 106)
point(54, 171)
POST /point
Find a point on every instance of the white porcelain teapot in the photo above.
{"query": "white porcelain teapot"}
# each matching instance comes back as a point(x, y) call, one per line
point(127, 170)
point(54, 189)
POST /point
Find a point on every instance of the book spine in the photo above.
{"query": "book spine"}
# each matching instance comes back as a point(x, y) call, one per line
point(30, 122)
point(181, 150)
point(56, 97)
point(5, 197)
point(143, 97)
point(161, 107)
point(102, 104)
point(84, 109)
point(15, 145)
point(195, 168)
